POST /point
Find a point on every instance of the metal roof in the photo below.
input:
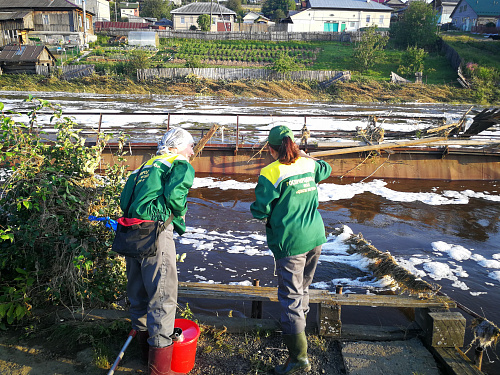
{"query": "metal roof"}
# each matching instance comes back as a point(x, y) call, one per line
point(37, 4)
point(202, 8)
point(485, 7)
point(24, 53)
point(5, 16)
point(348, 4)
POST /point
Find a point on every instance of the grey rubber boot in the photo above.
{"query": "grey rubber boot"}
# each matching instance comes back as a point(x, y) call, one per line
point(297, 361)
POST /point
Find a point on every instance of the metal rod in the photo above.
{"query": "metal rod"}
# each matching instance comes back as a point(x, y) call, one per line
point(205, 114)
point(256, 305)
point(131, 335)
point(237, 131)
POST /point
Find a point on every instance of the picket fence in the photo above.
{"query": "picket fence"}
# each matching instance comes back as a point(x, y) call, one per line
point(239, 74)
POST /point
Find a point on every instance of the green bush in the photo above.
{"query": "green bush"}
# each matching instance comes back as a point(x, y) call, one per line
point(49, 251)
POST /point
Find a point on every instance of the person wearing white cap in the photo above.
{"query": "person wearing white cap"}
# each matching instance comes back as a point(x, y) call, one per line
point(158, 192)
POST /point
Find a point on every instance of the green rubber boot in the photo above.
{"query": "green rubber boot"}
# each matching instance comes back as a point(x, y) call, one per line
point(297, 361)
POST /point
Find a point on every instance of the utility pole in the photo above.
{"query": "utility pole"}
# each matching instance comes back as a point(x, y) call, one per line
point(84, 25)
point(211, 16)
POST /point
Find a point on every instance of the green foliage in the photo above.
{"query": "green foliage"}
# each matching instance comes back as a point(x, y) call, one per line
point(156, 8)
point(277, 9)
point(14, 300)
point(235, 5)
point(370, 50)
point(484, 81)
point(284, 63)
point(139, 59)
point(193, 62)
point(44, 207)
point(204, 22)
point(417, 26)
point(412, 61)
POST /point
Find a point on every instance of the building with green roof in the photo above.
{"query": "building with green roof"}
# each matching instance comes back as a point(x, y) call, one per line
point(471, 13)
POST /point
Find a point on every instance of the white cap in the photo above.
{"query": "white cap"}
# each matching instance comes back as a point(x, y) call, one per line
point(175, 138)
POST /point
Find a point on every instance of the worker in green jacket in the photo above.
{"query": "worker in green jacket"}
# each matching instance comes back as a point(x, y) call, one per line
point(287, 198)
point(160, 194)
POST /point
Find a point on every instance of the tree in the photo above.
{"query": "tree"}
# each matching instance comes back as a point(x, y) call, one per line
point(277, 9)
point(417, 27)
point(204, 22)
point(139, 59)
point(284, 64)
point(156, 8)
point(235, 5)
point(370, 50)
point(412, 61)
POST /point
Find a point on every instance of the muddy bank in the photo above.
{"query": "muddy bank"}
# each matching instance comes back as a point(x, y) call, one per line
point(350, 92)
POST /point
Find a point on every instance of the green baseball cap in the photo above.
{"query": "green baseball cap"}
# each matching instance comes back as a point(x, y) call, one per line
point(277, 134)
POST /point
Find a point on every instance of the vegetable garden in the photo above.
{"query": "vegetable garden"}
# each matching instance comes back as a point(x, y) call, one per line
point(259, 52)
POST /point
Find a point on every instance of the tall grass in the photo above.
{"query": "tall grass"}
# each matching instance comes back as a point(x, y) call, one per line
point(485, 51)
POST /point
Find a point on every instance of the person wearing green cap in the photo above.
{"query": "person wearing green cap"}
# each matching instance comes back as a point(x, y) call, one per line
point(286, 196)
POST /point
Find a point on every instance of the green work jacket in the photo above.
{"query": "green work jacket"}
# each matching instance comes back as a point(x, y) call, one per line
point(287, 196)
point(162, 189)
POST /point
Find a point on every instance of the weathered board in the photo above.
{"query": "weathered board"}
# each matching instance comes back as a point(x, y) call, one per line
point(251, 293)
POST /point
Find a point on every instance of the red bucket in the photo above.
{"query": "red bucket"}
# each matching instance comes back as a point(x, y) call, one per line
point(185, 351)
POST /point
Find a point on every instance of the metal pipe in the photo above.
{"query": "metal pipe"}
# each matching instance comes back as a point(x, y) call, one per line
point(131, 335)
point(338, 289)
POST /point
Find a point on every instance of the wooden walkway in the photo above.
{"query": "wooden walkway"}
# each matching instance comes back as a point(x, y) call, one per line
point(252, 293)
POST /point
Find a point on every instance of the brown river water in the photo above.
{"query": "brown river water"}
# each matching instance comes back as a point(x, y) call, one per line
point(446, 232)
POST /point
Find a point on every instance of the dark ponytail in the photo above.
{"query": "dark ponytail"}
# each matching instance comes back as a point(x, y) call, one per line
point(288, 151)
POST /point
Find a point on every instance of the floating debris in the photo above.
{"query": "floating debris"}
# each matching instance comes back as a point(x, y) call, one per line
point(485, 332)
point(384, 264)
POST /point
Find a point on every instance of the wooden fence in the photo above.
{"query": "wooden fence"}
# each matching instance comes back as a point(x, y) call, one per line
point(275, 36)
point(452, 55)
point(68, 71)
point(239, 74)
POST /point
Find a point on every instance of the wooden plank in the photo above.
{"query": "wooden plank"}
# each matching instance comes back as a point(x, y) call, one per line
point(455, 362)
point(250, 293)
point(381, 146)
point(449, 142)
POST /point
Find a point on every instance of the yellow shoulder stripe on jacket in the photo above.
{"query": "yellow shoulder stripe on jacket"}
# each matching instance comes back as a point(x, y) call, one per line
point(277, 172)
point(166, 159)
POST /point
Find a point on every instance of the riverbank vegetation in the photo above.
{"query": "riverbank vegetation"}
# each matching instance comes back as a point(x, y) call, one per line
point(50, 253)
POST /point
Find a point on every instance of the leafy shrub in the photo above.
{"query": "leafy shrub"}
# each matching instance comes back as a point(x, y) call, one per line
point(49, 251)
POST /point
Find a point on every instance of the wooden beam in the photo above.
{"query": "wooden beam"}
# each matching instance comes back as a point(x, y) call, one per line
point(251, 293)
point(381, 146)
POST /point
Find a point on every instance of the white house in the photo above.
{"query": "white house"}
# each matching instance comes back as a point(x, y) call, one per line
point(444, 8)
point(129, 9)
point(187, 16)
point(339, 15)
point(100, 8)
point(468, 14)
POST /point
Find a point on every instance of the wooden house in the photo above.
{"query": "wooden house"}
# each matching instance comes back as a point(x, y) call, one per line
point(16, 59)
point(470, 15)
point(15, 26)
point(52, 22)
point(187, 16)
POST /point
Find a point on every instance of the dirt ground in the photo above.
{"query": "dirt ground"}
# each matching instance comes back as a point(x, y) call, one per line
point(60, 342)
point(227, 354)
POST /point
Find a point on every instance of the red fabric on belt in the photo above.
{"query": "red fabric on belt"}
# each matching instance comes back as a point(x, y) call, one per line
point(128, 221)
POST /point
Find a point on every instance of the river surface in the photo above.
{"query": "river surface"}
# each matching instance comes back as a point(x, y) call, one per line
point(445, 232)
